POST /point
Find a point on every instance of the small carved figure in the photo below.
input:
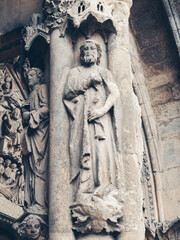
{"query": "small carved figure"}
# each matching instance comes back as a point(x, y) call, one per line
point(11, 94)
point(14, 171)
point(13, 127)
point(7, 86)
point(92, 97)
point(36, 115)
point(32, 228)
point(7, 172)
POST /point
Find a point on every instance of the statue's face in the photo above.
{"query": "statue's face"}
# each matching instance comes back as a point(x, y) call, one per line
point(32, 229)
point(32, 78)
point(90, 54)
point(7, 162)
point(13, 166)
point(16, 113)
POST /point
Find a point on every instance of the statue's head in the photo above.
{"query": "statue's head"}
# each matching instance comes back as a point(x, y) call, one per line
point(7, 162)
point(13, 166)
point(32, 227)
point(16, 113)
point(35, 76)
point(90, 52)
point(7, 85)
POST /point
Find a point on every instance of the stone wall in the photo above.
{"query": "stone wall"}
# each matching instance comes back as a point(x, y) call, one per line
point(161, 74)
point(17, 13)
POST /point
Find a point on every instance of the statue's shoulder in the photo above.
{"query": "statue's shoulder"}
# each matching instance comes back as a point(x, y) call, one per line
point(103, 70)
point(75, 70)
point(105, 73)
point(43, 87)
point(42, 90)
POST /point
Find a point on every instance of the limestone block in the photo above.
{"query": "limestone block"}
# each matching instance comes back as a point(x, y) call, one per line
point(171, 153)
point(167, 111)
point(170, 128)
point(171, 193)
point(161, 95)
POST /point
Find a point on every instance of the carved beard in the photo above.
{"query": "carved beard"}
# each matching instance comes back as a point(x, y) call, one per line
point(89, 59)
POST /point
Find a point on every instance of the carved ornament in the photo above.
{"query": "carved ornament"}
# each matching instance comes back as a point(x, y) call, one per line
point(36, 28)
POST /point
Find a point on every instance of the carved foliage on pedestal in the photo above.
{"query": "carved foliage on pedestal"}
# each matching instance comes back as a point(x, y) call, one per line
point(91, 98)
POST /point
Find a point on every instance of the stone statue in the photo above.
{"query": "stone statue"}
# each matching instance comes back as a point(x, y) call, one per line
point(11, 166)
point(32, 227)
point(36, 116)
point(92, 100)
point(13, 127)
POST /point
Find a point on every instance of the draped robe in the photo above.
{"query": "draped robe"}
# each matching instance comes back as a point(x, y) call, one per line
point(96, 142)
point(37, 145)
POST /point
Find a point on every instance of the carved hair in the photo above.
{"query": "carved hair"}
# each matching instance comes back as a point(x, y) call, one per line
point(99, 50)
point(20, 227)
point(39, 73)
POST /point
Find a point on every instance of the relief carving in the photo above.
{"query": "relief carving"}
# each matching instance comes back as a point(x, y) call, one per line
point(11, 166)
point(91, 97)
point(32, 227)
point(36, 117)
point(24, 141)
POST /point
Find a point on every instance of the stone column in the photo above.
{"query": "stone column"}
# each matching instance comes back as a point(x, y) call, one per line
point(59, 194)
point(131, 139)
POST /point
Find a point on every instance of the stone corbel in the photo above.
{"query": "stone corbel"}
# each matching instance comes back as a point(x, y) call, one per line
point(32, 227)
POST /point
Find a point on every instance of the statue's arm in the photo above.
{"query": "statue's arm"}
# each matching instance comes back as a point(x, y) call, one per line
point(74, 86)
point(43, 110)
point(113, 95)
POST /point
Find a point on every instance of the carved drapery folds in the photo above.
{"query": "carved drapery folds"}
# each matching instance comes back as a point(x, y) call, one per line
point(92, 101)
point(36, 133)
point(23, 144)
point(11, 165)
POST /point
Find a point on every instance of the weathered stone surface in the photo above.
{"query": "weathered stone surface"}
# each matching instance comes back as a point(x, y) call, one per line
point(95, 161)
point(32, 227)
point(170, 128)
point(171, 198)
point(171, 153)
point(167, 112)
point(10, 209)
point(150, 147)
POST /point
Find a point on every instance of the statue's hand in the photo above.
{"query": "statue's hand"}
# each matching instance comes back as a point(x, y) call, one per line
point(95, 79)
point(96, 113)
